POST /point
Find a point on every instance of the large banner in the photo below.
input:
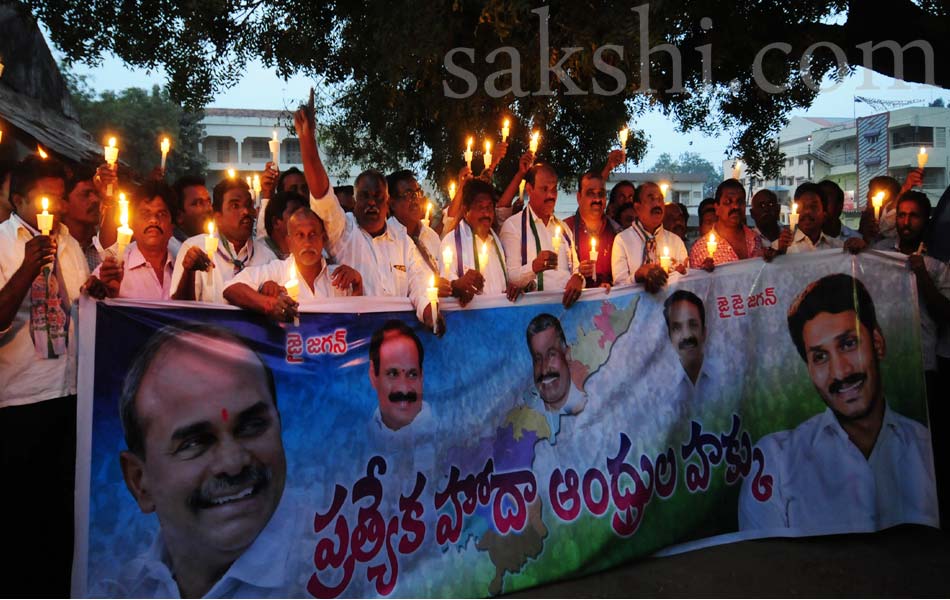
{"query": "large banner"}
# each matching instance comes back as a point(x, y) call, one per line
point(358, 455)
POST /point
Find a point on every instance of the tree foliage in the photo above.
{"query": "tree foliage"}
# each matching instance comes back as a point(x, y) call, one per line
point(139, 119)
point(690, 162)
point(381, 65)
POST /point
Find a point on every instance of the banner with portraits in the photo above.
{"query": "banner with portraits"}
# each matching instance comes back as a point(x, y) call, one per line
point(358, 455)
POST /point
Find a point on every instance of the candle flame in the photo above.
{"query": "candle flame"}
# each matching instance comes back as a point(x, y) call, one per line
point(712, 237)
point(471, 141)
point(487, 147)
point(663, 188)
point(210, 227)
point(166, 145)
point(506, 122)
point(557, 233)
point(41, 152)
point(878, 198)
point(112, 142)
point(794, 208)
point(623, 134)
point(45, 203)
point(231, 173)
point(451, 190)
point(923, 150)
point(275, 135)
point(666, 251)
point(432, 281)
point(447, 255)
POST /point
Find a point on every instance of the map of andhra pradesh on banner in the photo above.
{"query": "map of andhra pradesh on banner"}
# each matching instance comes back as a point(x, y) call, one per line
point(358, 455)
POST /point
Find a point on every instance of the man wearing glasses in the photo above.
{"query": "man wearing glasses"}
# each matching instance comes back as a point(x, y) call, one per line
point(734, 241)
point(590, 222)
point(407, 203)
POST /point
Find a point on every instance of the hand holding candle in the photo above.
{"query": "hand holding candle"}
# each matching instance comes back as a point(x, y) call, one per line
point(711, 245)
point(666, 262)
point(44, 220)
point(468, 152)
point(505, 130)
point(877, 201)
point(166, 146)
point(433, 293)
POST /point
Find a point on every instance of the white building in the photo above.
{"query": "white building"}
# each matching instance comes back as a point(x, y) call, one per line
point(826, 148)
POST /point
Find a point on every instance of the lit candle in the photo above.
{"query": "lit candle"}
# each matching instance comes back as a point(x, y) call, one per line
point(533, 145)
point(112, 156)
point(877, 201)
point(211, 242)
point(711, 245)
point(593, 249)
point(483, 256)
point(1, 135)
point(44, 220)
point(166, 146)
point(250, 183)
point(663, 189)
point(447, 257)
point(793, 216)
point(737, 170)
point(452, 190)
point(468, 152)
point(505, 129)
point(293, 289)
point(124, 232)
point(231, 173)
point(256, 184)
point(556, 241)
point(922, 158)
point(433, 293)
point(425, 221)
point(487, 156)
point(521, 190)
point(41, 152)
point(274, 149)
point(623, 138)
point(665, 261)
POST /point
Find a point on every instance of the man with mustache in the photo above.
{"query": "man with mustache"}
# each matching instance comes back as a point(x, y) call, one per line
point(812, 208)
point(734, 240)
point(833, 226)
point(275, 219)
point(555, 394)
point(262, 289)
point(527, 239)
point(193, 210)
point(590, 222)
point(472, 241)
point(637, 250)
point(685, 318)
point(82, 211)
point(407, 202)
point(621, 195)
point(765, 212)
point(395, 372)
point(387, 259)
point(857, 466)
point(675, 217)
point(205, 455)
point(201, 277)
point(146, 267)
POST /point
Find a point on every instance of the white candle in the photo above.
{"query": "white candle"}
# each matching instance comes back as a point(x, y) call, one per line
point(468, 152)
point(623, 138)
point(123, 206)
point(593, 249)
point(737, 170)
point(533, 145)
point(877, 201)
point(505, 129)
point(487, 156)
point(166, 146)
point(483, 256)
point(112, 156)
point(521, 190)
point(922, 158)
point(793, 216)
point(274, 149)
point(433, 293)
point(711, 245)
point(665, 261)
point(425, 221)
point(44, 220)
point(211, 242)
point(556, 241)
point(293, 289)
point(124, 231)
point(447, 257)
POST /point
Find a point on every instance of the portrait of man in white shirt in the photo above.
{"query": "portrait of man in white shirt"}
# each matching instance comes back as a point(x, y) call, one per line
point(859, 465)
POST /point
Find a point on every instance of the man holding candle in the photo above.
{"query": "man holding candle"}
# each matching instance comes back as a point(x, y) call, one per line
point(146, 267)
point(590, 223)
point(388, 261)
point(529, 241)
point(637, 250)
point(408, 213)
point(812, 208)
point(765, 212)
point(874, 227)
point(200, 277)
point(83, 212)
point(858, 465)
point(40, 276)
point(477, 259)
point(262, 289)
point(733, 240)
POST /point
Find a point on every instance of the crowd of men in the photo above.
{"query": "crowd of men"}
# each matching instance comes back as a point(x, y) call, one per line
point(373, 240)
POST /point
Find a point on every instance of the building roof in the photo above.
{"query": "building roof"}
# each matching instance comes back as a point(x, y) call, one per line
point(246, 112)
point(659, 176)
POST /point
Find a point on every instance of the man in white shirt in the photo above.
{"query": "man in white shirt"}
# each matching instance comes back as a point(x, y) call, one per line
point(145, 272)
point(406, 205)
point(275, 217)
point(765, 212)
point(637, 250)
point(40, 277)
point(858, 466)
point(478, 261)
point(200, 277)
point(201, 423)
point(194, 207)
point(263, 289)
point(387, 260)
point(685, 318)
point(834, 227)
point(555, 395)
point(527, 239)
point(808, 237)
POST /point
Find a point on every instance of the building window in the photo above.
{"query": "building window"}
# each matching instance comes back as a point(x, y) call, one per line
point(259, 150)
point(291, 151)
point(222, 151)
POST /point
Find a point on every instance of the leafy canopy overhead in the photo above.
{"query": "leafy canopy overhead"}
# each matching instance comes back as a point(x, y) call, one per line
point(381, 65)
